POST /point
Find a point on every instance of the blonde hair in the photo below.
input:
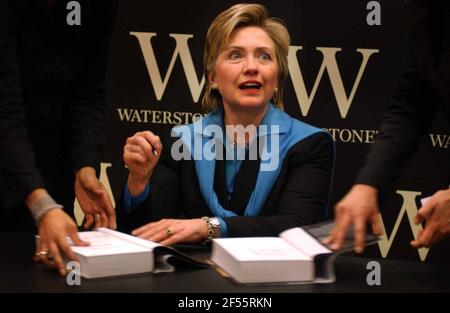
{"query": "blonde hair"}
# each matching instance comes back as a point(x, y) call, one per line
point(218, 37)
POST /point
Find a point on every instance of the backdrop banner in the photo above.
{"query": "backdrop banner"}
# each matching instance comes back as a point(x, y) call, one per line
point(345, 61)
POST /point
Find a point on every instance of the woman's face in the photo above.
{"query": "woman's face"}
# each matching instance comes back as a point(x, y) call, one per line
point(246, 71)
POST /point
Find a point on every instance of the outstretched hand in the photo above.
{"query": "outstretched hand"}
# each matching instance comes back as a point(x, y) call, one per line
point(94, 199)
point(55, 226)
point(436, 214)
point(359, 206)
point(172, 231)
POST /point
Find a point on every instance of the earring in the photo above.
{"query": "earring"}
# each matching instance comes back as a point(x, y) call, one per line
point(214, 86)
point(275, 95)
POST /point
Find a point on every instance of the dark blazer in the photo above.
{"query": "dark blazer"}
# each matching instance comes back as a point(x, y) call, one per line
point(51, 98)
point(299, 196)
point(413, 107)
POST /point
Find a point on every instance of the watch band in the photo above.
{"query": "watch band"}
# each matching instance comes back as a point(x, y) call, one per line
point(213, 225)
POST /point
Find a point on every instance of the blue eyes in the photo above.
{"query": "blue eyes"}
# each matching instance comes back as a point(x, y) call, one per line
point(263, 56)
point(235, 55)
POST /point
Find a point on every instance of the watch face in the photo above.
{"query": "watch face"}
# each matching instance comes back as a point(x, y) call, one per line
point(214, 221)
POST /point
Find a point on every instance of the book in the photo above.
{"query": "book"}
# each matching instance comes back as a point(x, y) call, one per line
point(296, 256)
point(112, 253)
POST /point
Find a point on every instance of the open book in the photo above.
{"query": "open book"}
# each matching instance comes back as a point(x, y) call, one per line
point(297, 255)
point(113, 253)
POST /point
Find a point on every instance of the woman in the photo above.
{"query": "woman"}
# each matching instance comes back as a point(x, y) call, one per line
point(231, 185)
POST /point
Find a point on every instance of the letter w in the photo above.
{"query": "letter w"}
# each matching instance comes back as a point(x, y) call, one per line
point(329, 63)
point(181, 49)
point(409, 206)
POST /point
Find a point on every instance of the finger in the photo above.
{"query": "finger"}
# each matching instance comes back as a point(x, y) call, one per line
point(42, 246)
point(360, 234)
point(139, 231)
point(112, 220)
point(376, 224)
point(416, 242)
point(340, 231)
point(57, 258)
point(98, 220)
point(89, 221)
point(327, 240)
point(145, 145)
point(147, 227)
point(49, 262)
point(65, 247)
point(156, 235)
point(425, 211)
point(103, 219)
point(133, 157)
point(158, 232)
point(437, 236)
point(176, 238)
point(153, 140)
point(77, 240)
point(135, 149)
point(108, 210)
point(425, 237)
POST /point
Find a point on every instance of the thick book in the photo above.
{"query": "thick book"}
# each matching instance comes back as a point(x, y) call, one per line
point(112, 253)
point(296, 256)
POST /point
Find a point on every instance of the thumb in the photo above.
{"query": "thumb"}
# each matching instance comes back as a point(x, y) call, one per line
point(424, 211)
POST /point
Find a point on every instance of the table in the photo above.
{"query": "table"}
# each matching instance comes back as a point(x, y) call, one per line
point(19, 273)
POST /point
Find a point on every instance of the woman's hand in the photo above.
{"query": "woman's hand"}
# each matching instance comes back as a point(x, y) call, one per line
point(94, 199)
point(172, 231)
point(141, 154)
point(54, 228)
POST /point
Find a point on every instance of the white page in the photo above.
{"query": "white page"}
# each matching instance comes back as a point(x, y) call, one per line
point(303, 241)
point(261, 249)
point(132, 239)
point(104, 244)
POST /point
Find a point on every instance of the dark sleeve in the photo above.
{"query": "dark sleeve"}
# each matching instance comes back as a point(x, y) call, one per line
point(409, 116)
point(16, 153)
point(87, 106)
point(163, 198)
point(305, 195)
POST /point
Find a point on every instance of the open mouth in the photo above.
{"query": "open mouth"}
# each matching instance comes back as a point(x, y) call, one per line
point(250, 85)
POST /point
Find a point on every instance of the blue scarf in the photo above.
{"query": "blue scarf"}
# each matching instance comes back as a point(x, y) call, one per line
point(197, 135)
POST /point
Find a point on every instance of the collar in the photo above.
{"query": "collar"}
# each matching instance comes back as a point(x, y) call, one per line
point(207, 126)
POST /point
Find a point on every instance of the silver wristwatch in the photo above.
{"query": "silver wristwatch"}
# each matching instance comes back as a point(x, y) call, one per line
point(213, 224)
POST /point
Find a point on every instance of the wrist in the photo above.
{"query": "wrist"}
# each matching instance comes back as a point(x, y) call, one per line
point(86, 170)
point(40, 202)
point(213, 227)
point(136, 185)
point(366, 189)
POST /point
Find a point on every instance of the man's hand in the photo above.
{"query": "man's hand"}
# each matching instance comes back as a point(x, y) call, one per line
point(436, 214)
point(54, 228)
point(171, 231)
point(357, 207)
point(94, 199)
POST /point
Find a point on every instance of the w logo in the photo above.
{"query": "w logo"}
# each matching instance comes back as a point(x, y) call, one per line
point(182, 50)
point(409, 208)
point(305, 99)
